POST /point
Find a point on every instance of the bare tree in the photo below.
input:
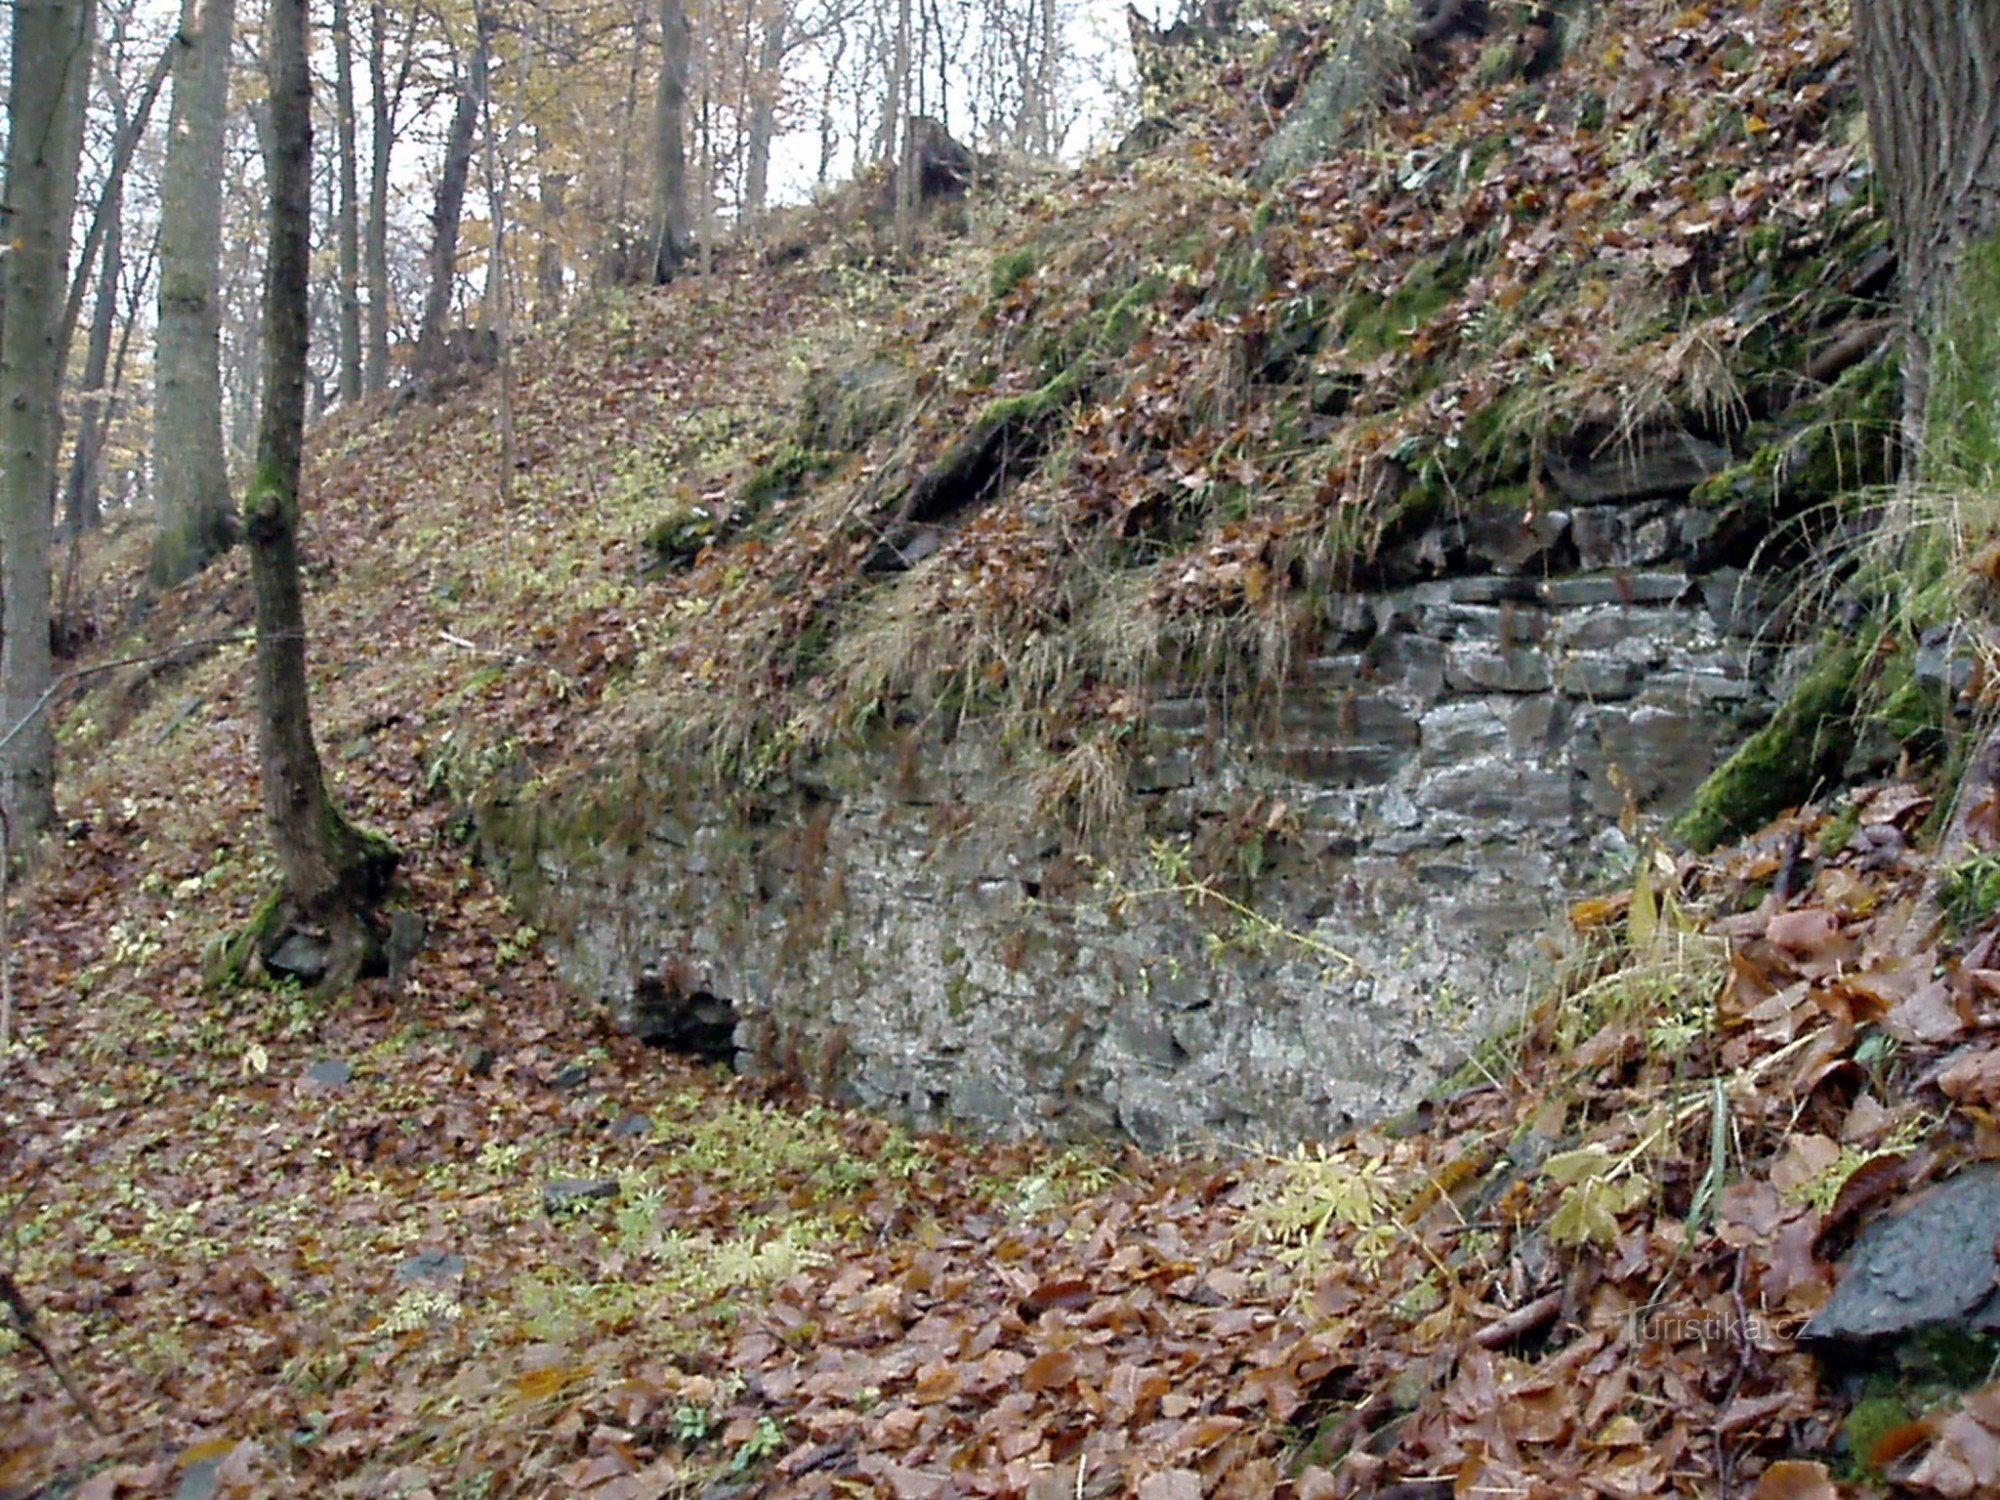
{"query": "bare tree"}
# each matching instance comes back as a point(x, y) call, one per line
point(764, 86)
point(45, 102)
point(334, 874)
point(81, 507)
point(450, 207)
point(498, 291)
point(385, 98)
point(129, 124)
point(104, 253)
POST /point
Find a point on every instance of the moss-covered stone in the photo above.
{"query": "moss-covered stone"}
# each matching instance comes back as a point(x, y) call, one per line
point(1970, 892)
point(1829, 445)
point(785, 473)
point(1871, 1420)
point(1784, 763)
point(226, 961)
point(677, 538)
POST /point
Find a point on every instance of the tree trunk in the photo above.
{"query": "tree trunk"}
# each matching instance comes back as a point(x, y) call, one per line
point(670, 211)
point(191, 476)
point(51, 67)
point(550, 274)
point(1930, 72)
point(497, 290)
point(765, 90)
point(829, 129)
point(450, 208)
point(82, 506)
point(375, 249)
point(899, 93)
point(334, 874)
point(348, 209)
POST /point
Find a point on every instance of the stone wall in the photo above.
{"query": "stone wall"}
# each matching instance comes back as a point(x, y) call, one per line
point(1426, 797)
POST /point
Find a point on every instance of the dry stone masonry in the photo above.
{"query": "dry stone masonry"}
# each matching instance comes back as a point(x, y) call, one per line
point(1425, 797)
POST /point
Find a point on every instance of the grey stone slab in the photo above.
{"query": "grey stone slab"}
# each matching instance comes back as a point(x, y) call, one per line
point(430, 1266)
point(1931, 1263)
point(1506, 793)
point(566, 1193)
point(1615, 588)
point(1457, 732)
point(1491, 588)
point(1601, 679)
point(1520, 669)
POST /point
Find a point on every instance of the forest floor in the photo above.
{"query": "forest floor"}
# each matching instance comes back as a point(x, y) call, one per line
point(285, 1245)
point(456, 1239)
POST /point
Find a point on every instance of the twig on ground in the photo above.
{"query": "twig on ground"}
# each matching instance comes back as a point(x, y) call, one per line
point(30, 1330)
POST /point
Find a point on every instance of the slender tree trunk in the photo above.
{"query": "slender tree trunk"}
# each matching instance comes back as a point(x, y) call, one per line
point(191, 476)
point(348, 209)
point(82, 504)
point(375, 245)
point(765, 90)
point(334, 875)
point(497, 301)
point(617, 261)
point(829, 129)
point(705, 157)
point(1045, 76)
point(51, 68)
point(450, 207)
point(670, 207)
point(550, 275)
point(1930, 73)
point(906, 167)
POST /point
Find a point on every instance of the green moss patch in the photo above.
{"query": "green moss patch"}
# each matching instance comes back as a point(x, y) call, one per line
point(1801, 750)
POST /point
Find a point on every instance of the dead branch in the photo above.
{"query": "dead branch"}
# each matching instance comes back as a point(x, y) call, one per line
point(26, 1323)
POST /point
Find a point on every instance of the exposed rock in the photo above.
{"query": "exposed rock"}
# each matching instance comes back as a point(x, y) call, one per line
point(300, 955)
point(632, 1127)
point(1503, 671)
point(842, 408)
point(1615, 588)
point(1653, 465)
point(431, 1266)
point(1425, 796)
point(942, 168)
point(330, 1073)
point(1930, 1264)
point(570, 1078)
point(566, 1193)
point(1378, 42)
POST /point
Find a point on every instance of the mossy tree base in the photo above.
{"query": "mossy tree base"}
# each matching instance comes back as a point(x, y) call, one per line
point(346, 923)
